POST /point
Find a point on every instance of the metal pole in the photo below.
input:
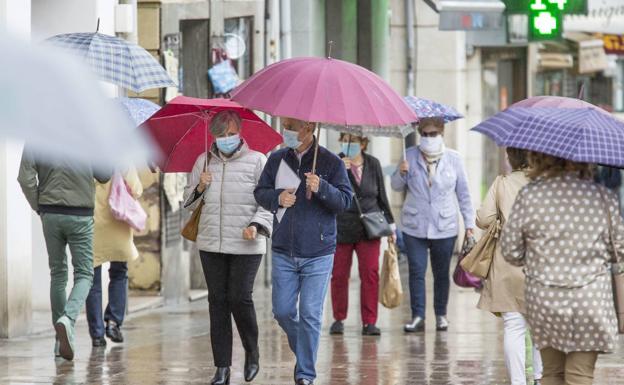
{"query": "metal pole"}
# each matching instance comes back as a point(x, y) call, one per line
point(409, 14)
point(286, 34)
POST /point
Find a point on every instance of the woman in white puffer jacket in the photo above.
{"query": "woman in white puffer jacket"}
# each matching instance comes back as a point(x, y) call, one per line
point(230, 239)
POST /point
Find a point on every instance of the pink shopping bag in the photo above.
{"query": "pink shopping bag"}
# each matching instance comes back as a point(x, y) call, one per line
point(123, 205)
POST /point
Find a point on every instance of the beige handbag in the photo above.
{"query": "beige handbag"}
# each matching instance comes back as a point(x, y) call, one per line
point(479, 259)
point(617, 274)
point(390, 290)
point(191, 229)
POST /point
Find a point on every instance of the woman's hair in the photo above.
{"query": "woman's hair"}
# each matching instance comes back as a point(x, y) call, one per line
point(221, 121)
point(548, 166)
point(362, 140)
point(436, 122)
point(518, 158)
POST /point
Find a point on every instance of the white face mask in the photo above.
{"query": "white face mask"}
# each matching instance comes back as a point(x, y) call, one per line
point(431, 145)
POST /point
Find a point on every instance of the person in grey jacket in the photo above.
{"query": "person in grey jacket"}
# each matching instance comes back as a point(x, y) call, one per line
point(63, 194)
point(229, 240)
point(433, 177)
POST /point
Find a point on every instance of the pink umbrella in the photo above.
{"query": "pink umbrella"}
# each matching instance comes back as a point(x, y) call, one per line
point(324, 90)
point(180, 129)
point(556, 102)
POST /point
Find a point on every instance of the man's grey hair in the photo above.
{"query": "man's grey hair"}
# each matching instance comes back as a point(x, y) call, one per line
point(221, 121)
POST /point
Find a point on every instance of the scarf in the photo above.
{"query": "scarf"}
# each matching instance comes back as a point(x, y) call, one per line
point(432, 160)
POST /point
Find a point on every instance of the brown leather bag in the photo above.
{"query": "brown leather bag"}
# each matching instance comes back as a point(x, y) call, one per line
point(479, 259)
point(617, 275)
point(191, 229)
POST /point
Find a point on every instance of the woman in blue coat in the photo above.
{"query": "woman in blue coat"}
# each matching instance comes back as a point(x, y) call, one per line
point(434, 180)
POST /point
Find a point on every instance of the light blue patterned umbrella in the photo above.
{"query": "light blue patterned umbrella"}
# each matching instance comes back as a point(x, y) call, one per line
point(426, 108)
point(116, 60)
point(138, 109)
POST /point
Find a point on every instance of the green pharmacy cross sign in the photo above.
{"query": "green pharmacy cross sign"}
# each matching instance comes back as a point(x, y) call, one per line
point(546, 16)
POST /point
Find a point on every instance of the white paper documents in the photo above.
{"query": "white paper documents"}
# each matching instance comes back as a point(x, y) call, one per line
point(285, 179)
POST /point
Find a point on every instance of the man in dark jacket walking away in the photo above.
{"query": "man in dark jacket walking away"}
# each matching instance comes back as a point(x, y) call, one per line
point(63, 194)
point(304, 237)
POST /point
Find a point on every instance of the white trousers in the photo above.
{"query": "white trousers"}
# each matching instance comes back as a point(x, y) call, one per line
point(515, 328)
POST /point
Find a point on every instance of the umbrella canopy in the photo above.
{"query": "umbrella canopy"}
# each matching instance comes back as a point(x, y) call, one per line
point(581, 134)
point(139, 110)
point(390, 131)
point(324, 90)
point(556, 102)
point(53, 103)
point(426, 108)
point(181, 130)
point(116, 60)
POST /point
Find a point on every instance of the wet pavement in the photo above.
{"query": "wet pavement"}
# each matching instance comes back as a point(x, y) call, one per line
point(172, 346)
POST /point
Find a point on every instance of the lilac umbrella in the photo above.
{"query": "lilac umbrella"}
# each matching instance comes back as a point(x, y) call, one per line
point(577, 130)
point(426, 108)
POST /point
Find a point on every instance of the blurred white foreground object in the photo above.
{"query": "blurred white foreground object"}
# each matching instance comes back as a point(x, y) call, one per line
point(52, 103)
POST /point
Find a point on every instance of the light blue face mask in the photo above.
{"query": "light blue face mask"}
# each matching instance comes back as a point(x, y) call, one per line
point(291, 139)
point(229, 144)
point(351, 150)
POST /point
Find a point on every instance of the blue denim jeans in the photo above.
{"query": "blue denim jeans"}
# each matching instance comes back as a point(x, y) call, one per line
point(117, 297)
point(304, 280)
point(418, 251)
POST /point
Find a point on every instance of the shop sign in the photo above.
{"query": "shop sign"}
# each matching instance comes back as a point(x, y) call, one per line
point(467, 15)
point(545, 16)
point(613, 44)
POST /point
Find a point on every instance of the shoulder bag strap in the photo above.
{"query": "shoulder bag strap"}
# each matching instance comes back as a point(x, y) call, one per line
point(605, 202)
point(355, 196)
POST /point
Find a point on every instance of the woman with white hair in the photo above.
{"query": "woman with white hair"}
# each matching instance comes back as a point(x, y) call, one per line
point(228, 239)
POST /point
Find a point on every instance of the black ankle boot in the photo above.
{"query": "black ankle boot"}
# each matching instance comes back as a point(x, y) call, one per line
point(252, 365)
point(221, 377)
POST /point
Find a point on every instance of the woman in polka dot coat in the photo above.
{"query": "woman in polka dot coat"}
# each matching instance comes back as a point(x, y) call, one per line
point(559, 231)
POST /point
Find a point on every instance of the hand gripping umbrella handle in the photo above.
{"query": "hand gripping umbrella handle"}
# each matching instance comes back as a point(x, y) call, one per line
point(318, 133)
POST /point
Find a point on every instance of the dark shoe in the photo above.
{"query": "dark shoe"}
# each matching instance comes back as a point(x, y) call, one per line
point(304, 381)
point(417, 325)
point(441, 323)
point(337, 328)
point(221, 377)
point(252, 365)
point(371, 330)
point(98, 342)
point(113, 332)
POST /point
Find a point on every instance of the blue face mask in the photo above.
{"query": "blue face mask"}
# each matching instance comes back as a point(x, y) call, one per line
point(291, 139)
point(351, 150)
point(229, 144)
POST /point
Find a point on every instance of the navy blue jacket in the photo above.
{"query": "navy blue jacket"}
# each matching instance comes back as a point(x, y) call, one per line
point(308, 229)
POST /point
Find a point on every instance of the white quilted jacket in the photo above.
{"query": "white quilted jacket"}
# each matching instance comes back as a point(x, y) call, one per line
point(229, 200)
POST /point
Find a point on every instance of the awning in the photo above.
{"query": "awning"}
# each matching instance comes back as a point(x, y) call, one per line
point(591, 54)
point(554, 60)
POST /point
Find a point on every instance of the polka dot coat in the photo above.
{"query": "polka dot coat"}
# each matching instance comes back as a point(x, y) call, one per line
point(559, 231)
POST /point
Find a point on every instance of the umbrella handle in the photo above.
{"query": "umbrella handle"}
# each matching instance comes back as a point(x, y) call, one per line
point(318, 133)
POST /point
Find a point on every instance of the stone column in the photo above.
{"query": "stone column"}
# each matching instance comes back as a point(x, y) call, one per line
point(15, 213)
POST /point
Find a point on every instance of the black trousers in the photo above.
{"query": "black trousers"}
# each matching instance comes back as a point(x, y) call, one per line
point(230, 280)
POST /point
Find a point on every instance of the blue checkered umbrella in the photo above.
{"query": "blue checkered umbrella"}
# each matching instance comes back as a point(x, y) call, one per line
point(426, 108)
point(138, 109)
point(589, 135)
point(116, 60)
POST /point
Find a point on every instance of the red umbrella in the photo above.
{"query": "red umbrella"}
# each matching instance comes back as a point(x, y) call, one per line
point(181, 130)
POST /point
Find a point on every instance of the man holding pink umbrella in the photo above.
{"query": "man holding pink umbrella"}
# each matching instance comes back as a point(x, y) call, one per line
point(304, 237)
point(308, 92)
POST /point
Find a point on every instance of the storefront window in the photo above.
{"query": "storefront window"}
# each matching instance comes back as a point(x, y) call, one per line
point(550, 83)
point(238, 41)
point(618, 87)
